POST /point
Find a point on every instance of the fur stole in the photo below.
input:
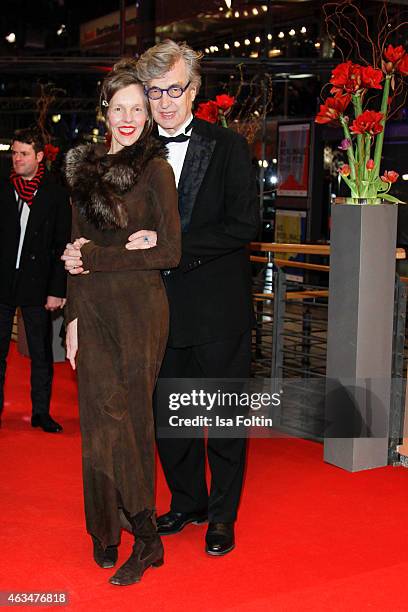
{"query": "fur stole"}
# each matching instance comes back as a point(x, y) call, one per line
point(99, 181)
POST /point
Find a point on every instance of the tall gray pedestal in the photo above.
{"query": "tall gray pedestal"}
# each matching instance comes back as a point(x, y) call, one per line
point(360, 326)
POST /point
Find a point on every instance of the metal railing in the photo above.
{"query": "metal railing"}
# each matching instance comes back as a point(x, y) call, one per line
point(290, 338)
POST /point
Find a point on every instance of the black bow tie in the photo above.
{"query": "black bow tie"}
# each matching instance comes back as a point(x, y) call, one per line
point(180, 138)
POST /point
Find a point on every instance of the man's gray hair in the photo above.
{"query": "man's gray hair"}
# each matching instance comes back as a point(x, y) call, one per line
point(158, 60)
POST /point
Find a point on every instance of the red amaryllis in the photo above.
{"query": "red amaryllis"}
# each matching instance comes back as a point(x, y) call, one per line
point(402, 66)
point(224, 102)
point(394, 54)
point(389, 176)
point(345, 170)
point(371, 77)
point(332, 109)
point(368, 122)
point(208, 111)
point(50, 152)
point(346, 77)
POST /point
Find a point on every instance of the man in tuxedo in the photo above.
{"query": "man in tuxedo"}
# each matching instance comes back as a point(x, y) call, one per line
point(34, 228)
point(209, 293)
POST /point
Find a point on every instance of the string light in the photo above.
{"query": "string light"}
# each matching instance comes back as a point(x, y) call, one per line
point(247, 41)
point(236, 14)
point(11, 38)
point(257, 39)
point(281, 35)
point(303, 30)
point(255, 11)
point(317, 45)
point(226, 46)
point(269, 36)
point(264, 8)
point(237, 44)
point(292, 32)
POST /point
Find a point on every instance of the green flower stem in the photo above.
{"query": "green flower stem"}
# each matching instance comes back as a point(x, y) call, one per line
point(380, 137)
point(367, 142)
point(358, 109)
point(350, 152)
point(221, 116)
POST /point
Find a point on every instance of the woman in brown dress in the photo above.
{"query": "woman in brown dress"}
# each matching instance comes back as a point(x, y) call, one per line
point(118, 320)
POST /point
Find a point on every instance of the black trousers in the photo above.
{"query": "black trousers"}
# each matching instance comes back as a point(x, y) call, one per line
point(183, 460)
point(37, 323)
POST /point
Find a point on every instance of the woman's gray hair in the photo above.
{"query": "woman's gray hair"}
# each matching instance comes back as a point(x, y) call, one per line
point(158, 60)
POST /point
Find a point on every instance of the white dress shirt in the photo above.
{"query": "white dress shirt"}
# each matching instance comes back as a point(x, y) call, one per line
point(24, 214)
point(177, 150)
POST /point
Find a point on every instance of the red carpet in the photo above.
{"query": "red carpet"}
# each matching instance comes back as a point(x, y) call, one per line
point(310, 536)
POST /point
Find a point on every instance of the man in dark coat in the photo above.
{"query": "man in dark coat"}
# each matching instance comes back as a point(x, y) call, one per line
point(34, 228)
point(209, 293)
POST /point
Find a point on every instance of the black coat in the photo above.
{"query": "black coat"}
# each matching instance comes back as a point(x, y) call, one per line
point(210, 293)
point(48, 230)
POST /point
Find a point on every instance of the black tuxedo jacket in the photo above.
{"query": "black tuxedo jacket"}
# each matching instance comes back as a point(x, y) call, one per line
point(48, 230)
point(210, 292)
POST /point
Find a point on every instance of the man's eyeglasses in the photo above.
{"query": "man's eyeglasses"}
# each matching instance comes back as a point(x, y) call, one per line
point(174, 91)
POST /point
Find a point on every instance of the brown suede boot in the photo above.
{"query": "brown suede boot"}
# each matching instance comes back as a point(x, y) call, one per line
point(147, 550)
point(104, 557)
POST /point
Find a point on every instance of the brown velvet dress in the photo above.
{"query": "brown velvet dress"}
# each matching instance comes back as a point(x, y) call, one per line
point(122, 323)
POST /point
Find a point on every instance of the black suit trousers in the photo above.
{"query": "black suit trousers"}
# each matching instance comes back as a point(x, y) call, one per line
point(183, 460)
point(37, 323)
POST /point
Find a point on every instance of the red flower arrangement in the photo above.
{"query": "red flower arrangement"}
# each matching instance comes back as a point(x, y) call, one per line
point(50, 152)
point(403, 66)
point(216, 110)
point(350, 83)
point(208, 111)
point(333, 108)
point(394, 54)
point(371, 77)
point(389, 176)
point(368, 122)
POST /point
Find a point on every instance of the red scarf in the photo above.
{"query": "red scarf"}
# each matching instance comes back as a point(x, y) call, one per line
point(26, 189)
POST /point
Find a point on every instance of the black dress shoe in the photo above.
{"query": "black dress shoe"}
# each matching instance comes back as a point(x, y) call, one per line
point(173, 522)
point(219, 539)
point(46, 423)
